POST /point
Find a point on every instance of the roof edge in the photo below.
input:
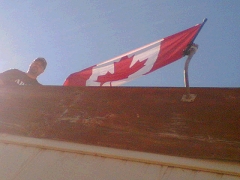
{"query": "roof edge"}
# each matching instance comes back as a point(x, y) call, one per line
point(212, 166)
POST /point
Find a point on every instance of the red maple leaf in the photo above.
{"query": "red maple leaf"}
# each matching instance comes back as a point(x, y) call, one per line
point(122, 70)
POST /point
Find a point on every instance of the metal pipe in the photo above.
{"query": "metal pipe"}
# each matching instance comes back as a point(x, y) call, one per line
point(192, 51)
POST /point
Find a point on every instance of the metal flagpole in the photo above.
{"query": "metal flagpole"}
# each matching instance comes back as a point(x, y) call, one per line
point(190, 51)
point(189, 97)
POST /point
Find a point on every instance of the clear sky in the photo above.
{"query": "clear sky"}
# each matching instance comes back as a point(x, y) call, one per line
point(76, 34)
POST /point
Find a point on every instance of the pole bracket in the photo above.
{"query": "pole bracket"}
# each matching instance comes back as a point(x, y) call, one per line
point(188, 97)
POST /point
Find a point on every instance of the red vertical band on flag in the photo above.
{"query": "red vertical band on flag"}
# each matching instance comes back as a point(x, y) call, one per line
point(79, 78)
point(172, 47)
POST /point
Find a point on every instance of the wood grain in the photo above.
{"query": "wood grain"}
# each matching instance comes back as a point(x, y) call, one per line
point(143, 119)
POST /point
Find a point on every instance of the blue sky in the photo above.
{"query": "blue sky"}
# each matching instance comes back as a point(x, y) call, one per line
point(76, 34)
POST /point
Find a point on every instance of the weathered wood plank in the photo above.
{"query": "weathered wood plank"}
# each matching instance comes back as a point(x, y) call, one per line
point(142, 119)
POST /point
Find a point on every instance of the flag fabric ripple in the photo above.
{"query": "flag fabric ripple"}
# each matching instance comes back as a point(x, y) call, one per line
point(136, 63)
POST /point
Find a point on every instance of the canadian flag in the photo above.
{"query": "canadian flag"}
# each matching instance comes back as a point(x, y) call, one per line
point(136, 63)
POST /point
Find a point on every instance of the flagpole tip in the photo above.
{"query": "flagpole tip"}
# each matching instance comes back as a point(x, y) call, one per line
point(205, 20)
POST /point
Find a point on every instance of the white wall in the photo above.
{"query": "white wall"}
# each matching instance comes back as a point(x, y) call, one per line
point(32, 159)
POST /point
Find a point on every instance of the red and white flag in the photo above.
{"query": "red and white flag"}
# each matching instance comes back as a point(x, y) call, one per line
point(137, 63)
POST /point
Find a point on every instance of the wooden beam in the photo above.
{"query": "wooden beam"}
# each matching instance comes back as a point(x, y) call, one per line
point(141, 119)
